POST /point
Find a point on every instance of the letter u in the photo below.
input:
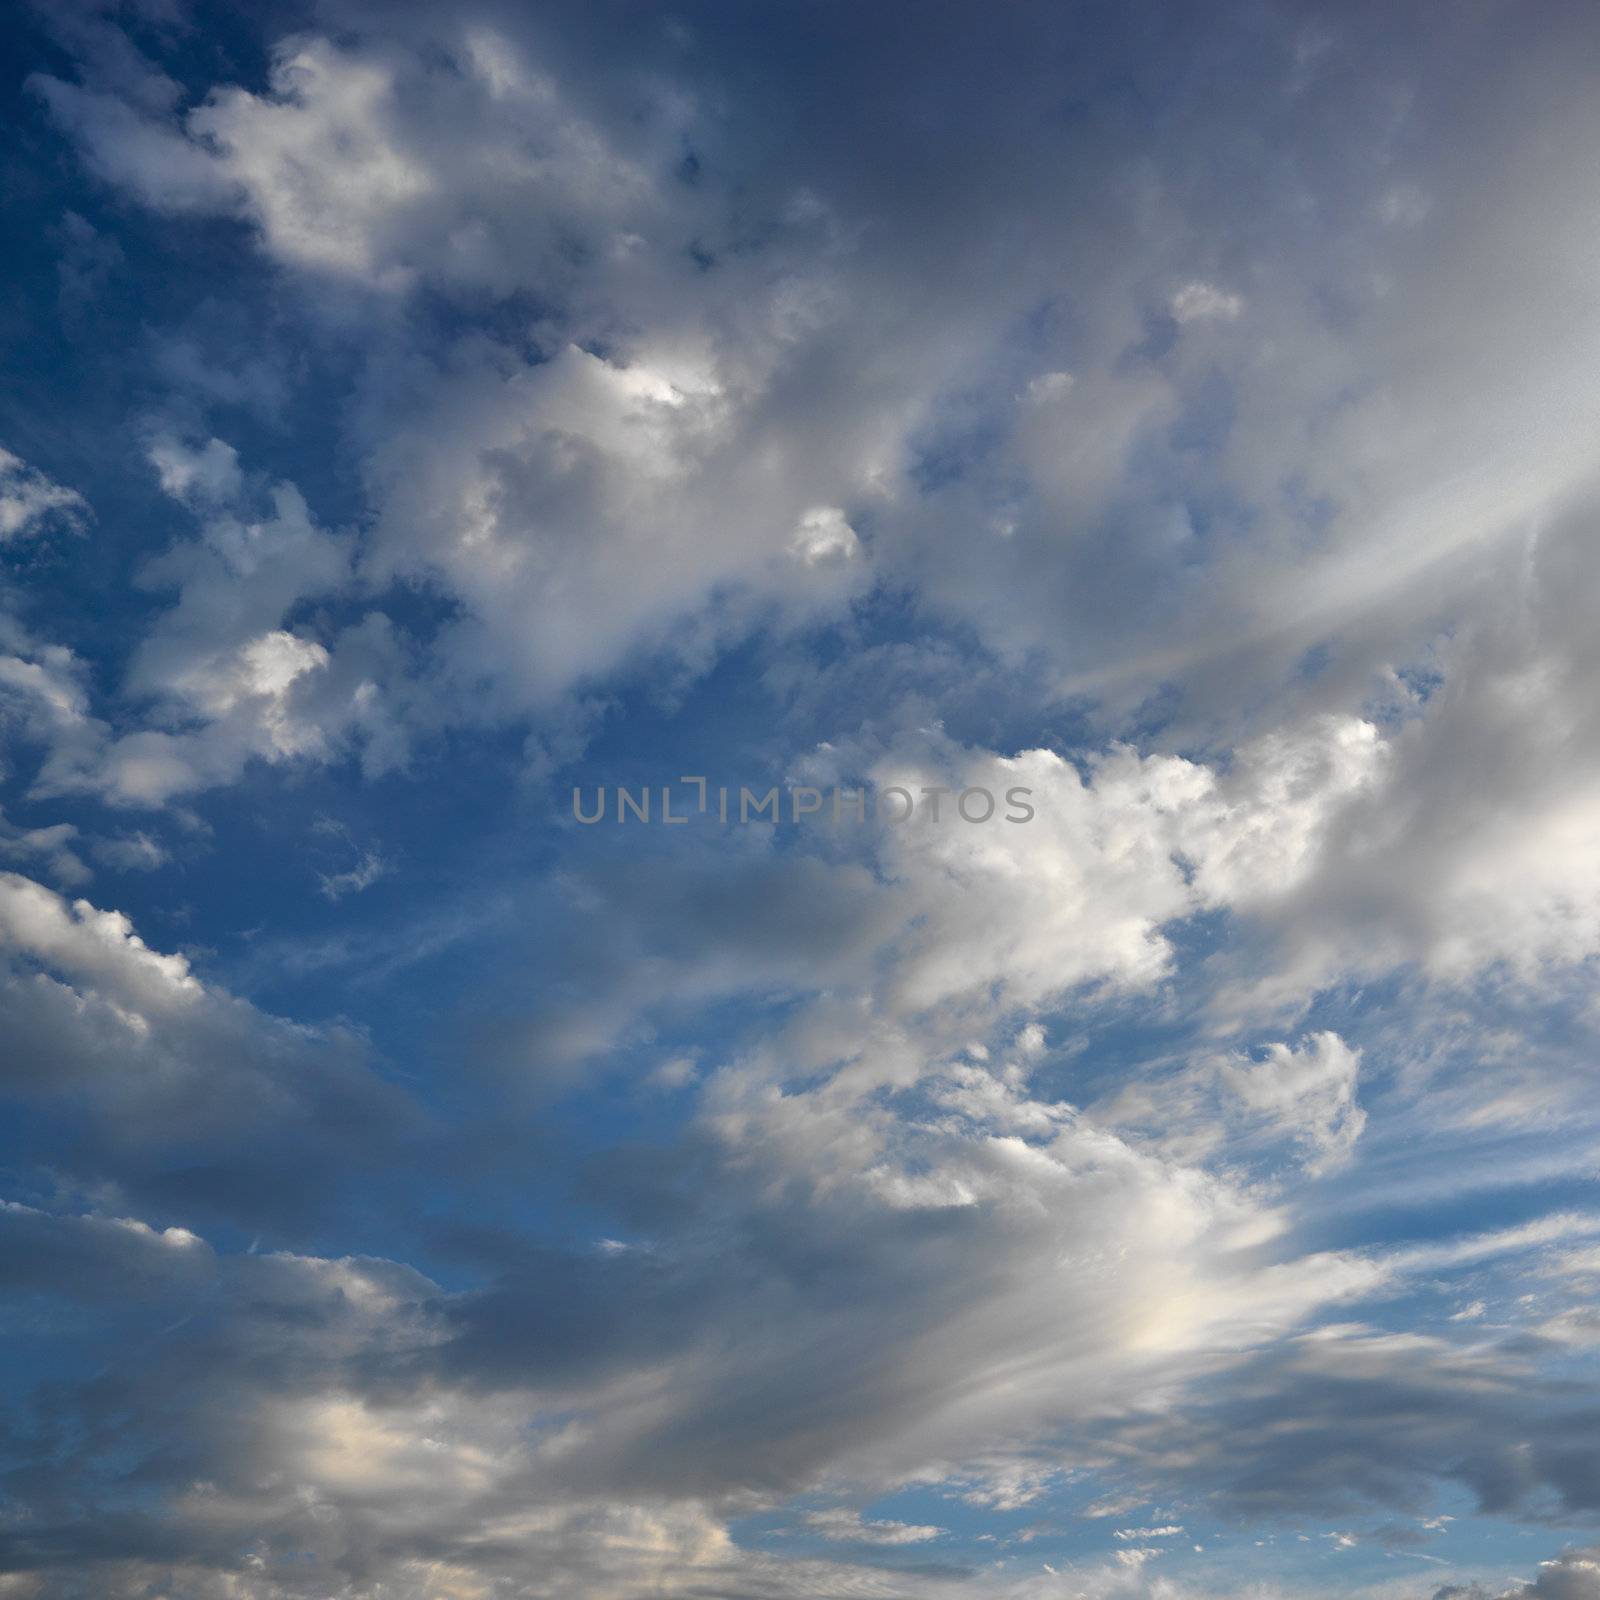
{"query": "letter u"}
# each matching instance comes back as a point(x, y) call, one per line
point(577, 807)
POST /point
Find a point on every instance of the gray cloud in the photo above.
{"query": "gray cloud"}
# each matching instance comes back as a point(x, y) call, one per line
point(188, 1097)
point(1219, 382)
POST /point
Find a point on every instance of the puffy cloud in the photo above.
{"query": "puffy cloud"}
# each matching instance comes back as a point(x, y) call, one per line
point(449, 155)
point(638, 480)
point(30, 500)
point(52, 844)
point(187, 1094)
point(1196, 301)
point(229, 682)
point(1573, 1575)
point(42, 687)
point(610, 499)
point(1051, 1289)
point(354, 1409)
point(906, 933)
point(1169, 369)
point(330, 1406)
point(1238, 1104)
point(339, 173)
point(209, 473)
point(824, 536)
point(989, 1251)
point(98, 1258)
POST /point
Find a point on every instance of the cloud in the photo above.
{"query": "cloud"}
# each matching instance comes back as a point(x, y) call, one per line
point(1197, 301)
point(43, 688)
point(1163, 414)
point(366, 872)
point(1310, 1093)
point(367, 1415)
point(338, 173)
point(88, 261)
point(207, 474)
point(224, 681)
point(187, 1095)
point(637, 479)
point(840, 1523)
point(909, 933)
point(368, 868)
point(131, 852)
point(52, 844)
point(98, 1258)
point(29, 500)
point(450, 156)
point(1574, 1575)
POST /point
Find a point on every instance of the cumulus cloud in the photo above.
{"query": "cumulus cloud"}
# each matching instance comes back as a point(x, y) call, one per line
point(450, 155)
point(334, 167)
point(1197, 301)
point(29, 500)
point(224, 681)
point(918, 930)
point(190, 1094)
point(50, 844)
point(1161, 414)
point(100, 1258)
point(518, 1412)
point(639, 481)
point(1574, 1575)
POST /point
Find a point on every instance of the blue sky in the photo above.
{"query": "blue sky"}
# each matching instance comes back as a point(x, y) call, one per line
point(1182, 416)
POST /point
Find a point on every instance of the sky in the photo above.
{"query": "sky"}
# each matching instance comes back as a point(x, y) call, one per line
point(798, 801)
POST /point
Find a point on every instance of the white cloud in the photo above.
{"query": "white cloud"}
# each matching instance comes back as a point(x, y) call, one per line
point(840, 1523)
point(339, 173)
point(637, 372)
point(52, 844)
point(29, 500)
point(210, 473)
point(1309, 1092)
point(223, 680)
point(824, 537)
point(1203, 302)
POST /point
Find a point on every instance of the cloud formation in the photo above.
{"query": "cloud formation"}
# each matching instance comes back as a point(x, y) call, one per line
point(1184, 420)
